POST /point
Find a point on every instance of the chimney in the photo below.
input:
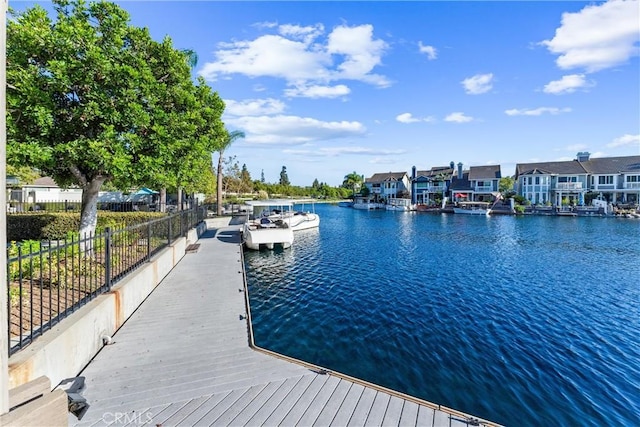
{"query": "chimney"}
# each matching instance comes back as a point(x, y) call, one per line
point(583, 156)
point(452, 165)
point(413, 173)
point(460, 170)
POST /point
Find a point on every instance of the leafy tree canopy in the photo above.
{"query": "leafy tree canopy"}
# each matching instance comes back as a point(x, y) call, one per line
point(92, 99)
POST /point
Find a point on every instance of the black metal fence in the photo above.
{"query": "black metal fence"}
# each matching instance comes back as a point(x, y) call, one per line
point(49, 280)
point(74, 206)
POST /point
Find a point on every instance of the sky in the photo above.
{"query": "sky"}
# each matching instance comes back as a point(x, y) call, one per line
point(329, 88)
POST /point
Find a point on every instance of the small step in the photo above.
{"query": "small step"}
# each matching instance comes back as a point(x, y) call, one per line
point(193, 248)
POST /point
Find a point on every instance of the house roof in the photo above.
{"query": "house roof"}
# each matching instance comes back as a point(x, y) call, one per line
point(570, 167)
point(45, 181)
point(600, 165)
point(603, 165)
point(484, 172)
point(390, 176)
point(435, 171)
point(460, 184)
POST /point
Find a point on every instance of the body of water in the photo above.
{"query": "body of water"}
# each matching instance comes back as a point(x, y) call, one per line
point(525, 321)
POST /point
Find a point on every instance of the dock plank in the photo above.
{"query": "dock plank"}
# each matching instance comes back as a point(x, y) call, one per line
point(409, 415)
point(348, 405)
point(425, 416)
point(332, 405)
point(378, 409)
point(362, 409)
point(394, 412)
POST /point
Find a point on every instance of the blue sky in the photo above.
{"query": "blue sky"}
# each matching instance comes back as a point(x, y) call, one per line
point(327, 88)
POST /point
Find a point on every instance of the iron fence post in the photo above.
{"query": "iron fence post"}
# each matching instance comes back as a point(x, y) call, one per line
point(169, 234)
point(148, 241)
point(107, 257)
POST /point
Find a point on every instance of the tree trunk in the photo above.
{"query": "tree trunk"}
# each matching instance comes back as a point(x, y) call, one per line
point(163, 200)
point(219, 185)
point(179, 198)
point(89, 211)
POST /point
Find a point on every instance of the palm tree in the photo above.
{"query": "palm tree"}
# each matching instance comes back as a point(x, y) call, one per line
point(228, 140)
point(352, 181)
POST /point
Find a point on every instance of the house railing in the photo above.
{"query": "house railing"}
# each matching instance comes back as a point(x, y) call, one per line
point(568, 186)
point(47, 281)
point(632, 185)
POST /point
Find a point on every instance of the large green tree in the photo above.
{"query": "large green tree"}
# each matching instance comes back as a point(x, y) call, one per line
point(353, 181)
point(92, 99)
point(284, 178)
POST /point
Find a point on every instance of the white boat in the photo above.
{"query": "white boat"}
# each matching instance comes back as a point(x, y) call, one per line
point(366, 204)
point(277, 214)
point(402, 205)
point(263, 232)
point(299, 220)
point(472, 208)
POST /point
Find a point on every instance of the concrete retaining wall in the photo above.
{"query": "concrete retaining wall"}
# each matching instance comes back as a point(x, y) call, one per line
point(66, 349)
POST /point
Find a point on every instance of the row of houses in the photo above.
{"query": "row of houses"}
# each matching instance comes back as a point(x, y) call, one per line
point(614, 179)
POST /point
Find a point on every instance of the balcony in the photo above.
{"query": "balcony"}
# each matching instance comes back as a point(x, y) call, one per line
point(483, 188)
point(632, 185)
point(568, 186)
point(435, 189)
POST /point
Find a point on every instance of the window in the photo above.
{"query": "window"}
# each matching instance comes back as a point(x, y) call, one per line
point(606, 179)
point(537, 180)
point(568, 179)
point(529, 180)
point(633, 178)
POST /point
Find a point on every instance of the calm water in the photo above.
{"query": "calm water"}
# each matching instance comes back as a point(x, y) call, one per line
point(525, 321)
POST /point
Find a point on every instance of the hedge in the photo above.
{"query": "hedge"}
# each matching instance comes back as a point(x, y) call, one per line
point(55, 226)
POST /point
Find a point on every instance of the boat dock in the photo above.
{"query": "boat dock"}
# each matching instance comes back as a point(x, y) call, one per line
point(186, 357)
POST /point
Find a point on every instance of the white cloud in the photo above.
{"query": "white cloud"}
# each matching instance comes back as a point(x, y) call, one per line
point(253, 107)
point(597, 37)
point(307, 34)
point(567, 84)
point(480, 83)
point(317, 91)
point(458, 117)
point(337, 151)
point(382, 161)
point(408, 118)
point(598, 154)
point(362, 53)
point(537, 111)
point(625, 140)
point(430, 51)
point(303, 57)
point(268, 55)
point(293, 130)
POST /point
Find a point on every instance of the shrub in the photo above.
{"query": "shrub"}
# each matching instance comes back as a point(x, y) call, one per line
point(57, 226)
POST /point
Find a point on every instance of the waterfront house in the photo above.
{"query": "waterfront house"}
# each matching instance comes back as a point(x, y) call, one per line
point(429, 187)
point(485, 182)
point(478, 184)
point(387, 186)
point(614, 179)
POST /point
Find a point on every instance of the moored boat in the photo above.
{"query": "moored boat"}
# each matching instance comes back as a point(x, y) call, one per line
point(472, 208)
point(264, 233)
point(272, 223)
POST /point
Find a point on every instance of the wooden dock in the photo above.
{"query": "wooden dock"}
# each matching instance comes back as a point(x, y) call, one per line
point(184, 358)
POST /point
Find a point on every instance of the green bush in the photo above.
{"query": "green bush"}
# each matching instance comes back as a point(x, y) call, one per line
point(57, 226)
